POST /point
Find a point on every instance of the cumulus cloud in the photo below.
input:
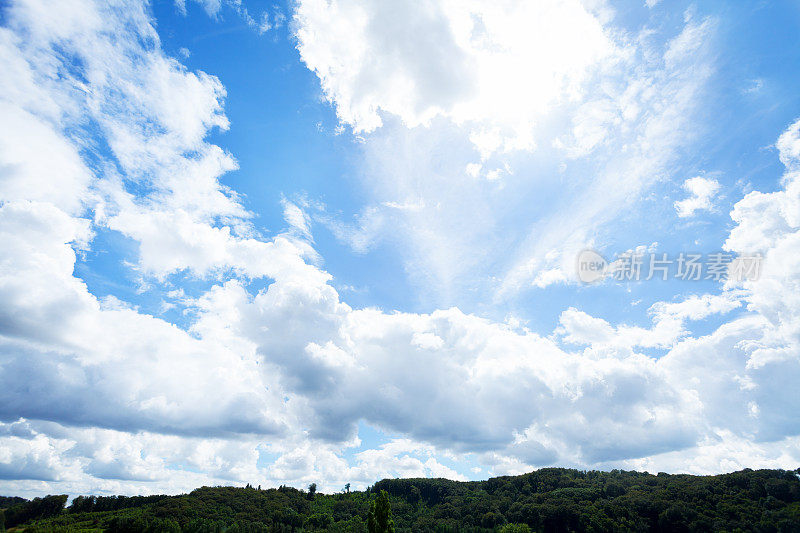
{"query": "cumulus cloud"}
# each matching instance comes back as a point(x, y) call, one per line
point(702, 192)
point(99, 362)
point(344, 365)
point(788, 146)
point(768, 224)
point(90, 361)
point(669, 321)
point(496, 68)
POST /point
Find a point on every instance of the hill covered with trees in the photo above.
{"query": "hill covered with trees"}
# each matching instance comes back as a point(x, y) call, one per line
point(550, 499)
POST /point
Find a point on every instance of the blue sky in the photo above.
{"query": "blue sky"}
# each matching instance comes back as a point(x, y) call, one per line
point(268, 243)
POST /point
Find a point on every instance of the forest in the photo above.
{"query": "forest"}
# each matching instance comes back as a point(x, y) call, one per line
point(549, 500)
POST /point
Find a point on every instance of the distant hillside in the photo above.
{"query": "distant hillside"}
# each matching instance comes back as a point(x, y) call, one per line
point(551, 499)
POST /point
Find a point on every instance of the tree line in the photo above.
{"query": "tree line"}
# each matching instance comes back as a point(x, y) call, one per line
point(550, 500)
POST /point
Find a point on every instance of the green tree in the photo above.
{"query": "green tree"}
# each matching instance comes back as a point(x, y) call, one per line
point(312, 491)
point(515, 528)
point(380, 515)
point(318, 521)
point(415, 495)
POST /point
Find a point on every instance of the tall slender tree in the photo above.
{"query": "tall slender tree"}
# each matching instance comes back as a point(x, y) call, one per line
point(380, 515)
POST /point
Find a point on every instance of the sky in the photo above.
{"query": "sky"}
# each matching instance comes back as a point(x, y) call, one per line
point(331, 241)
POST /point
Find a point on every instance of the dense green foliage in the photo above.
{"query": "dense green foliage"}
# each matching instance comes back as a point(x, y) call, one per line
point(37, 508)
point(6, 501)
point(551, 499)
point(379, 519)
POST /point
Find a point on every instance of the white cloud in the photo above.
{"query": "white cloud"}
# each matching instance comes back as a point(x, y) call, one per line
point(653, 102)
point(343, 365)
point(296, 218)
point(788, 146)
point(212, 7)
point(101, 362)
point(721, 451)
point(495, 68)
point(668, 327)
point(26, 175)
point(702, 192)
point(621, 112)
point(769, 224)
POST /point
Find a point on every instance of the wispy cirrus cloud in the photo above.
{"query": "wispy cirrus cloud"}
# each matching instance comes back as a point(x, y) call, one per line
point(524, 130)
